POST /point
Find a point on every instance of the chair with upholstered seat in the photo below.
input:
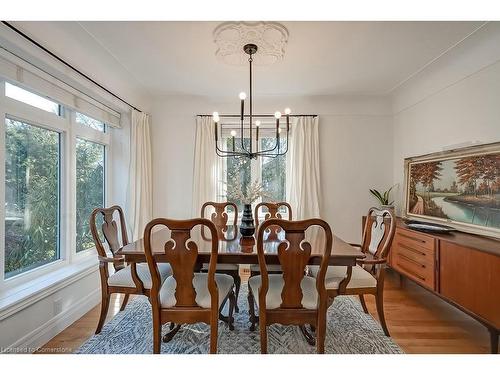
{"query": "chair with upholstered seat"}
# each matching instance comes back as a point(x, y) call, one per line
point(273, 212)
point(291, 297)
point(127, 279)
point(186, 296)
point(368, 276)
point(220, 218)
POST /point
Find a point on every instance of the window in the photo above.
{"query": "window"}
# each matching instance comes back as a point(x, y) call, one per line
point(89, 188)
point(32, 185)
point(273, 171)
point(270, 172)
point(90, 122)
point(32, 99)
point(54, 174)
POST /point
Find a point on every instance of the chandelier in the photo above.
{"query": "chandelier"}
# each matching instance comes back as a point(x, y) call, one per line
point(251, 148)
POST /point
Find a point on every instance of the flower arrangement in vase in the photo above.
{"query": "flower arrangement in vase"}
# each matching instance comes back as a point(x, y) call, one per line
point(248, 195)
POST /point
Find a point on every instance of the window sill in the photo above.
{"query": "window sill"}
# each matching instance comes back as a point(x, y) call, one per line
point(18, 298)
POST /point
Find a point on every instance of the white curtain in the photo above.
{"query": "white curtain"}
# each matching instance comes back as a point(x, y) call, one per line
point(140, 194)
point(303, 174)
point(206, 174)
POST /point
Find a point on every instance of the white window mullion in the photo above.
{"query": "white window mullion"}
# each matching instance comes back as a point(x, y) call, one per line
point(2, 186)
point(71, 189)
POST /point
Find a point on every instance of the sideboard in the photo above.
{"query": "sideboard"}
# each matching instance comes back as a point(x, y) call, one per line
point(463, 269)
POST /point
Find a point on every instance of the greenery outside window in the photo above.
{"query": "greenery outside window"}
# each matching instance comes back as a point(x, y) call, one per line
point(270, 172)
point(90, 164)
point(32, 196)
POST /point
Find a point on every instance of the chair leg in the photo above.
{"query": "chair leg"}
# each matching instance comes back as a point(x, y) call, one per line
point(363, 303)
point(124, 302)
point(156, 332)
point(232, 304)
point(251, 310)
point(321, 333)
point(263, 338)
point(104, 312)
point(379, 300)
point(237, 284)
point(213, 334)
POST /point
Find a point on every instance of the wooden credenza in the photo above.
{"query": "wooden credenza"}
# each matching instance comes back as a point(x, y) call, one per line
point(461, 268)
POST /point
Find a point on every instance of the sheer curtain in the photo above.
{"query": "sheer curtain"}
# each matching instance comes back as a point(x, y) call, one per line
point(140, 194)
point(207, 168)
point(303, 189)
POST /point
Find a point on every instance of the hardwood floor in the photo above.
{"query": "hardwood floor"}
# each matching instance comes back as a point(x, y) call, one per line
point(418, 321)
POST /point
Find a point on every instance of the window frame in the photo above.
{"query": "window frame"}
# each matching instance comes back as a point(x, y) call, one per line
point(87, 133)
point(69, 130)
point(255, 167)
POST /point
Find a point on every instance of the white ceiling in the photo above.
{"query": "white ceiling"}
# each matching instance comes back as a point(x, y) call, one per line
point(322, 58)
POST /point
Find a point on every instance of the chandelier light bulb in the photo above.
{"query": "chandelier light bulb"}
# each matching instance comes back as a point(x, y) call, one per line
point(243, 95)
point(288, 111)
point(277, 114)
point(233, 133)
point(215, 116)
point(257, 123)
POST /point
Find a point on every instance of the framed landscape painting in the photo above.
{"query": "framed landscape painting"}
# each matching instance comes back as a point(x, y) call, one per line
point(459, 187)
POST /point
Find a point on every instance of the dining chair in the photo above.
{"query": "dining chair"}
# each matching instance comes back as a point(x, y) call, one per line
point(186, 296)
point(127, 279)
point(220, 218)
point(272, 213)
point(367, 277)
point(291, 297)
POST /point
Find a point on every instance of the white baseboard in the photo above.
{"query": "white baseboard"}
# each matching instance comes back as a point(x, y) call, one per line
point(43, 334)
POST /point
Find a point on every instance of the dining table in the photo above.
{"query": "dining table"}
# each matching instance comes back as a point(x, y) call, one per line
point(236, 249)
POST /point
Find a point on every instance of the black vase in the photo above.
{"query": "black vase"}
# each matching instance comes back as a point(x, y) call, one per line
point(247, 227)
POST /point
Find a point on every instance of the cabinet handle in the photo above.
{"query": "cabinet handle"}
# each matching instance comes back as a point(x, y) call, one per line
point(411, 249)
point(411, 260)
point(412, 238)
point(411, 273)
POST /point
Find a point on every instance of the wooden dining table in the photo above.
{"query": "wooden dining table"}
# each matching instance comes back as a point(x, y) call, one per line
point(235, 249)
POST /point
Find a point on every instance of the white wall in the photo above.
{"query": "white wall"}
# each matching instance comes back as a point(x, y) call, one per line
point(355, 151)
point(453, 103)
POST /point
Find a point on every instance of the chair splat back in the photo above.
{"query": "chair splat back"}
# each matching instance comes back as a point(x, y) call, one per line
point(273, 210)
point(378, 232)
point(110, 231)
point(181, 252)
point(293, 253)
point(220, 217)
point(273, 213)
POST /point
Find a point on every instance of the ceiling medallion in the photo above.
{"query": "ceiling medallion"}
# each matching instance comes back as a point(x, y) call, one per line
point(230, 37)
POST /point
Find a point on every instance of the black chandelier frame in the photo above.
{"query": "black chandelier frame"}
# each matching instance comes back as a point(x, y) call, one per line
point(249, 152)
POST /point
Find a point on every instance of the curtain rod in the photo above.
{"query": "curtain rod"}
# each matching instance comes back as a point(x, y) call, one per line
point(68, 65)
point(261, 116)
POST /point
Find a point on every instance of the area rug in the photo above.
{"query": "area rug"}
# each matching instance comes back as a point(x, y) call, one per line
point(349, 331)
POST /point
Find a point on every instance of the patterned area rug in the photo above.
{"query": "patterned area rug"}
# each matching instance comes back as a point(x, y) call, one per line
point(349, 331)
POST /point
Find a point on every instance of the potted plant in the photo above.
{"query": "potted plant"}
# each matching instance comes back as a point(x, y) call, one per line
point(384, 198)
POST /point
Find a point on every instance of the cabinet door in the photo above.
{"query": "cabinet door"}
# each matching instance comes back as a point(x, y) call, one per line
point(471, 278)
